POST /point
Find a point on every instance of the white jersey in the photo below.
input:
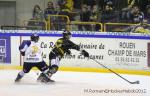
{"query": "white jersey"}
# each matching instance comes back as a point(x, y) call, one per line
point(33, 52)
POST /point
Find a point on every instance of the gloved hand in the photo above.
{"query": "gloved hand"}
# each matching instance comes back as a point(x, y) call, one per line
point(85, 53)
point(22, 53)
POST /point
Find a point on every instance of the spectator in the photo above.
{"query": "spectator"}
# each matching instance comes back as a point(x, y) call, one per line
point(37, 13)
point(142, 4)
point(90, 3)
point(36, 22)
point(141, 28)
point(109, 2)
point(108, 14)
point(94, 17)
point(132, 14)
point(77, 4)
point(84, 17)
point(119, 4)
point(147, 14)
point(135, 15)
point(124, 12)
point(49, 10)
point(66, 7)
point(85, 14)
point(116, 3)
point(94, 14)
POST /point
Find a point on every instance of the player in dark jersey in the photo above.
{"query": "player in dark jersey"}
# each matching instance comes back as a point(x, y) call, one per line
point(61, 47)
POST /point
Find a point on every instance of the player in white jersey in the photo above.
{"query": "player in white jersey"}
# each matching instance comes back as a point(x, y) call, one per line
point(32, 53)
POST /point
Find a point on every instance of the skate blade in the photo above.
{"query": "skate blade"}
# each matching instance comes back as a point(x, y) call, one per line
point(46, 82)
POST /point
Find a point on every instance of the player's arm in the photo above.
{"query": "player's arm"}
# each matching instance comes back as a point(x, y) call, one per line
point(72, 45)
point(77, 47)
point(24, 45)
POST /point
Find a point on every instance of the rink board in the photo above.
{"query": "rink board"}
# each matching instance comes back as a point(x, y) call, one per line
point(121, 52)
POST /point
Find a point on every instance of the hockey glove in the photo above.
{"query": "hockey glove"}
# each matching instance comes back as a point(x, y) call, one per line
point(85, 53)
point(22, 53)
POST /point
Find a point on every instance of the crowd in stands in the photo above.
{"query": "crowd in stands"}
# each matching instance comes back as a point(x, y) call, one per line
point(104, 11)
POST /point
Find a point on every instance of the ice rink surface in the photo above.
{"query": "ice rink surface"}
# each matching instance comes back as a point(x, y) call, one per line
point(73, 84)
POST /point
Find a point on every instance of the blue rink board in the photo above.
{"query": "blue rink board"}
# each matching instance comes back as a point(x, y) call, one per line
point(99, 35)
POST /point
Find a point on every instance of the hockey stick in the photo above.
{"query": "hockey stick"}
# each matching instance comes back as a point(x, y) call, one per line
point(134, 82)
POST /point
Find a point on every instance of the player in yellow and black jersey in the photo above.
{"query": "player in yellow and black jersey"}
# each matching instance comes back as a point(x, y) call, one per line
point(61, 47)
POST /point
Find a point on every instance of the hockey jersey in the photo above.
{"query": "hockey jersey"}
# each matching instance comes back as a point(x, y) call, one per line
point(31, 51)
point(62, 46)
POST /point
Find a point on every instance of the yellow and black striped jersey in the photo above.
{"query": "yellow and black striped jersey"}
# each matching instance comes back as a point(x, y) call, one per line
point(62, 46)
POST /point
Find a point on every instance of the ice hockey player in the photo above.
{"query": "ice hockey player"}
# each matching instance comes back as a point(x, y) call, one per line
point(61, 47)
point(32, 53)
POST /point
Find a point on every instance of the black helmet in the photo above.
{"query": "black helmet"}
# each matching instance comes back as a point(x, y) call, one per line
point(66, 33)
point(35, 37)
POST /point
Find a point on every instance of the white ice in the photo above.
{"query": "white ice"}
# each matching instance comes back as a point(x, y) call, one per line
point(73, 84)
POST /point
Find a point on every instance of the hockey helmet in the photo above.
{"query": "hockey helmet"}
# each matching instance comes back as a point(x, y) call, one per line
point(35, 37)
point(66, 34)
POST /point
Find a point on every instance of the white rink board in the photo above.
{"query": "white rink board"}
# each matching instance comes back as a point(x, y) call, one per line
point(107, 51)
point(116, 53)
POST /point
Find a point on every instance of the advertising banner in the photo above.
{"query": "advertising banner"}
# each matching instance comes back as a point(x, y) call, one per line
point(115, 53)
point(5, 53)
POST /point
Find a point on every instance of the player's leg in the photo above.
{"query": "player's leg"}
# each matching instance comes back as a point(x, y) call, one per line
point(54, 62)
point(54, 65)
point(26, 68)
point(53, 68)
point(44, 77)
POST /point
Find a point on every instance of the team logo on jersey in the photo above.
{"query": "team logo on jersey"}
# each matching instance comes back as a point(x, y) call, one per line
point(35, 49)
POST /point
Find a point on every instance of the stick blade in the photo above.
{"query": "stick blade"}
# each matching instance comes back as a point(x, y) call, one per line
point(136, 82)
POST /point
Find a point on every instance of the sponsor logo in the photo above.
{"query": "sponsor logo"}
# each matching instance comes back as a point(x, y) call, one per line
point(2, 49)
